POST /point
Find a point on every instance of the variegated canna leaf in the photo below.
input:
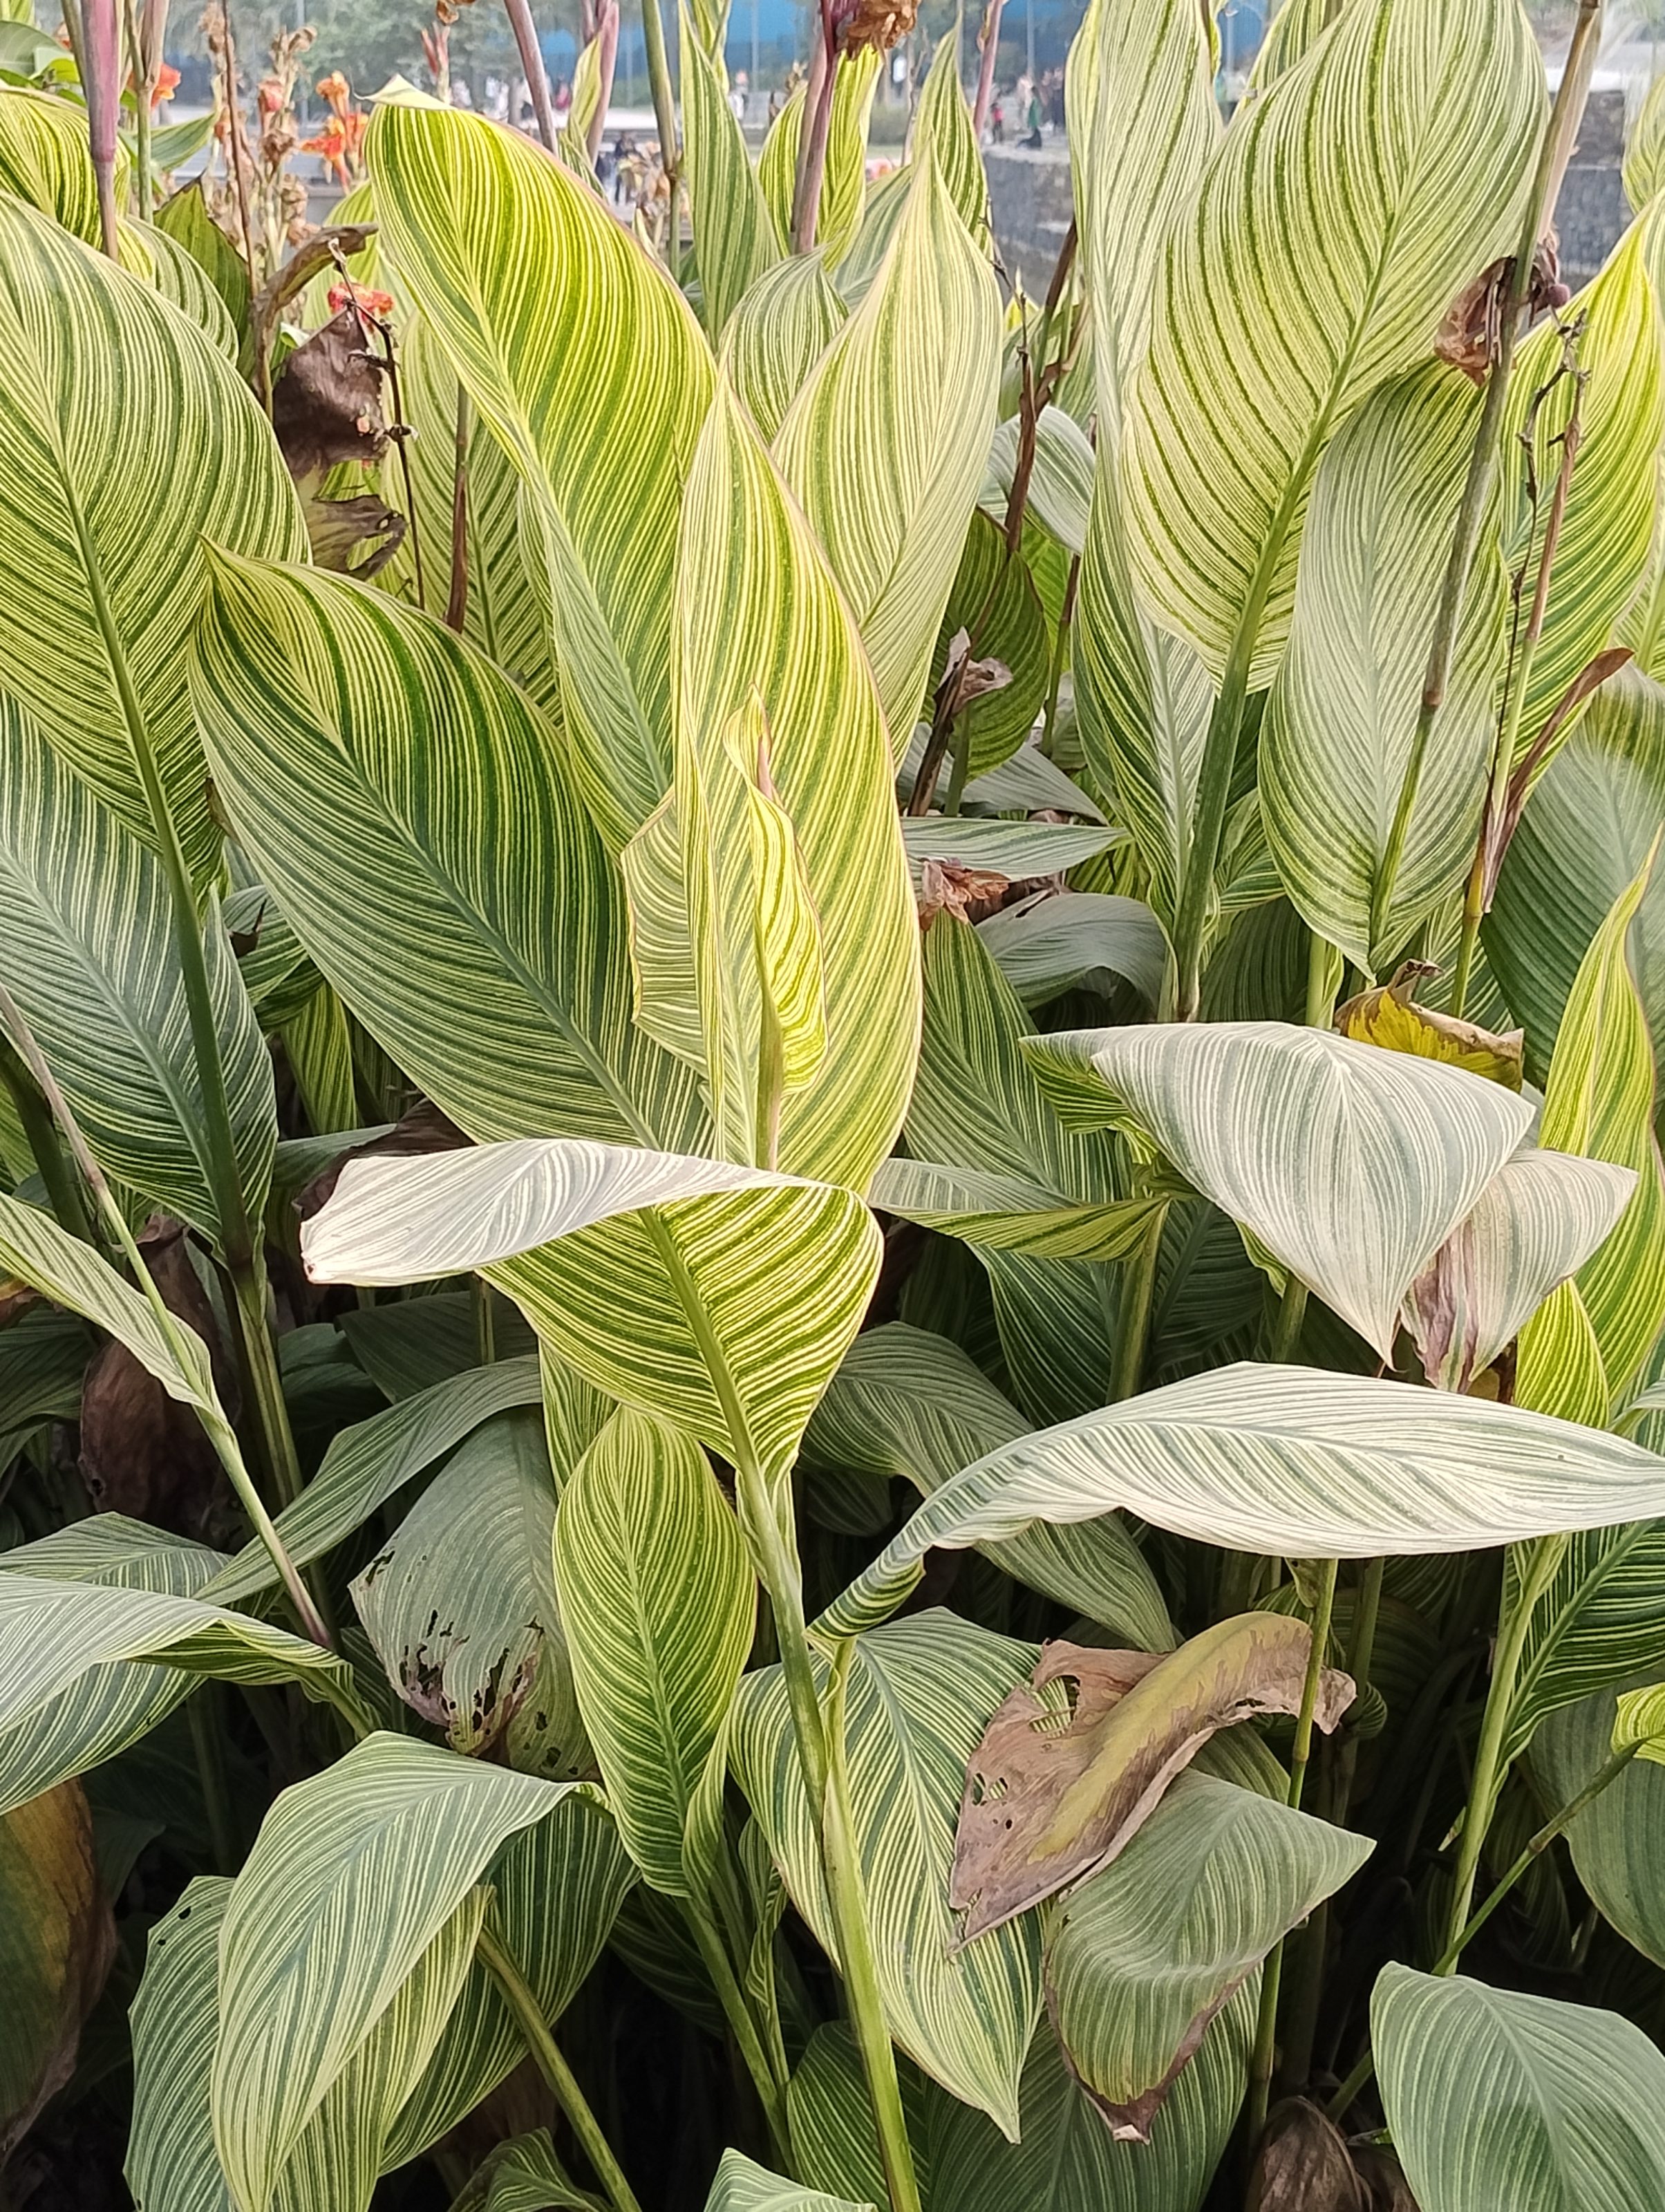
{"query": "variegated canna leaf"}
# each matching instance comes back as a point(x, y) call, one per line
point(1339, 723)
point(844, 184)
point(1270, 326)
point(88, 356)
point(884, 445)
point(507, 256)
point(781, 327)
point(735, 239)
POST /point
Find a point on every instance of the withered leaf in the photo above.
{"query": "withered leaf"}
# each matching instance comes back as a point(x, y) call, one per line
point(1390, 1018)
point(355, 536)
point(56, 1940)
point(1055, 1791)
point(141, 1452)
point(1304, 2164)
point(968, 894)
point(326, 402)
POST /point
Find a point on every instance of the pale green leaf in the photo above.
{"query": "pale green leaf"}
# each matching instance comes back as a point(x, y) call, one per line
point(1007, 1214)
point(781, 328)
point(1618, 1841)
point(1142, 1957)
point(105, 392)
point(742, 2185)
point(995, 597)
point(46, 159)
point(918, 1692)
point(1495, 2098)
point(844, 183)
point(1350, 1164)
point(1061, 478)
point(1337, 740)
point(1294, 1460)
point(523, 2175)
point(354, 1875)
point(660, 1608)
point(735, 236)
point(910, 1404)
point(1077, 940)
point(1644, 150)
point(1272, 321)
point(1016, 849)
point(942, 128)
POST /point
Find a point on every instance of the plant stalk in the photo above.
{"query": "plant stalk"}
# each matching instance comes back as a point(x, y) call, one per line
point(41, 1131)
point(1263, 2056)
point(1565, 117)
point(456, 605)
point(769, 2087)
point(139, 67)
point(1133, 1320)
point(552, 2065)
point(664, 118)
point(1544, 1563)
point(988, 47)
point(812, 143)
point(532, 61)
point(101, 83)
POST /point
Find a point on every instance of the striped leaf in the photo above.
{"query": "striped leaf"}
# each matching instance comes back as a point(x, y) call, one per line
point(786, 644)
point(994, 596)
point(88, 953)
point(1084, 941)
point(1618, 1841)
point(172, 2158)
point(523, 2175)
point(1343, 712)
point(1495, 2098)
point(699, 1322)
point(460, 1605)
point(1351, 1165)
point(1606, 535)
point(1293, 28)
point(1600, 1103)
point(367, 1464)
point(87, 354)
point(1598, 1624)
point(1016, 849)
point(1060, 477)
point(884, 445)
point(1067, 2160)
point(834, 2143)
point(942, 128)
point(907, 1403)
point(1006, 1213)
point(844, 183)
point(735, 236)
point(742, 2185)
point(1142, 1957)
point(356, 1875)
point(393, 787)
point(1644, 150)
point(1586, 833)
point(185, 218)
point(69, 1702)
point(1289, 1460)
point(173, 271)
point(661, 1606)
point(779, 330)
point(46, 159)
point(1271, 325)
point(1537, 1221)
point(508, 256)
point(918, 1694)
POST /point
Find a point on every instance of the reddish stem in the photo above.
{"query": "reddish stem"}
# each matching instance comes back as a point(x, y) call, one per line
point(103, 91)
point(532, 61)
point(990, 42)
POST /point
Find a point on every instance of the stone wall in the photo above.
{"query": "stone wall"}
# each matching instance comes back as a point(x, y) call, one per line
point(1029, 195)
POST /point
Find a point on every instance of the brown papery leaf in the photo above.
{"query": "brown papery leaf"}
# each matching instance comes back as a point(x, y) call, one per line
point(1053, 1791)
point(326, 403)
point(57, 1941)
point(1391, 1019)
point(969, 894)
point(1304, 2164)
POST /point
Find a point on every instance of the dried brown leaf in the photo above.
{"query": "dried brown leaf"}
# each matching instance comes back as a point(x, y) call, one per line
point(1304, 2164)
point(326, 401)
point(56, 1940)
point(1053, 1792)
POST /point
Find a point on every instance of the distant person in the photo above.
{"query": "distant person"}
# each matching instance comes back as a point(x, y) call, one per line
point(997, 121)
point(737, 95)
point(1034, 119)
point(563, 95)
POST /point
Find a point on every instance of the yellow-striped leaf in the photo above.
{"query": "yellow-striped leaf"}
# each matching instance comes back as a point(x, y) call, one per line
point(700, 1319)
point(1272, 321)
point(788, 642)
point(45, 158)
point(942, 128)
point(916, 1699)
point(394, 788)
point(660, 1607)
point(1599, 1104)
point(106, 394)
point(735, 235)
point(587, 365)
point(742, 2185)
point(884, 446)
point(1644, 150)
point(777, 333)
point(89, 954)
point(1339, 722)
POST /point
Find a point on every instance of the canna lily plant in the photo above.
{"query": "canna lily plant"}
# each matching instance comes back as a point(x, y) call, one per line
point(834, 1333)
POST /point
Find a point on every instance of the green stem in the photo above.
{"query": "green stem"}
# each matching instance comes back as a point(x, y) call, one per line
point(144, 181)
point(1562, 127)
point(1324, 967)
point(770, 2085)
point(563, 2083)
point(1361, 1654)
point(485, 1323)
point(664, 115)
point(1291, 1313)
point(239, 1246)
point(47, 1153)
point(1060, 651)
point(1265, 2026)
point(211, 1773)
point(1346, 2095)
point(1132, 1320)
point(1544, 1560)
point(844, 1884)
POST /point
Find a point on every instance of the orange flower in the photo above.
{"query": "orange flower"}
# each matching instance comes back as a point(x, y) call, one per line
point(330, 145)
point(270, 96)
point(168, 79)
point(372, 302)
point(336, 93)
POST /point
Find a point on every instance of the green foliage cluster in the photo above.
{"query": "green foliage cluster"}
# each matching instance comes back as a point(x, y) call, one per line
point(833, 1252)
